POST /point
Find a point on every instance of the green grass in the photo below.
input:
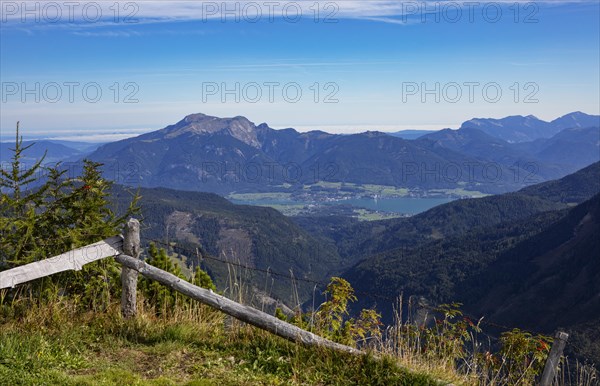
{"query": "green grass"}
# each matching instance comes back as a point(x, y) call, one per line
point(458, 192)
point(259, 196)
point(58, 345)
point(385, 190)
point(327, 185)
point(367, 215)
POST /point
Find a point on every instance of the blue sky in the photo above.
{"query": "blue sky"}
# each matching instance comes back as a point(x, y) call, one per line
point(371, 62)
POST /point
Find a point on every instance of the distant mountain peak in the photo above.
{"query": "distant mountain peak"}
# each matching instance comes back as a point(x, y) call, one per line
point(577, 119)
point(196, 116)
point(201, 124)
point(373, 133)
point(575, 113)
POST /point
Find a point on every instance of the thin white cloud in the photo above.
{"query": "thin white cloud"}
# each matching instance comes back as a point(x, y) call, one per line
point(112, 34)
point(307, 64)
point(532, 64)
point(88, 14)
point(391, 20)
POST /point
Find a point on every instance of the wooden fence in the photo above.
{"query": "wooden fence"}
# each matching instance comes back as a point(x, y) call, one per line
point(126, 250)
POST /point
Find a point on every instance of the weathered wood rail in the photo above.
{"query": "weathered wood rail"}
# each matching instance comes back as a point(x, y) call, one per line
point(72, 260)
point(126, 250)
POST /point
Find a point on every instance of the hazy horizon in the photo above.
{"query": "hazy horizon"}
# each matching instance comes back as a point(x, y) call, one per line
point(111, 135)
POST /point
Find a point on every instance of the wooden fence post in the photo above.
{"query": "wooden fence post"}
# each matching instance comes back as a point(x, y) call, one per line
point(560, 340)
point(131, 247)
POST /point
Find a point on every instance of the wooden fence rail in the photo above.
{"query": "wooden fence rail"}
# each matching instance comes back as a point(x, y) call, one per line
point(72, 260)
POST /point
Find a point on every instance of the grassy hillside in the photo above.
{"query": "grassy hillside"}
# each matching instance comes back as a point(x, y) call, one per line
point(56, 345)
point(58, 342)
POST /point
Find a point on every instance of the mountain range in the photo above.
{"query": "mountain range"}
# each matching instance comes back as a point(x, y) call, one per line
point(518, 128)
point(410, 134)
point(54, 151)
point(541, 159)
point(224, 155)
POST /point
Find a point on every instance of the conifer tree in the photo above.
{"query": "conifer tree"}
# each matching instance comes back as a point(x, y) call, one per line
point(45, 212)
